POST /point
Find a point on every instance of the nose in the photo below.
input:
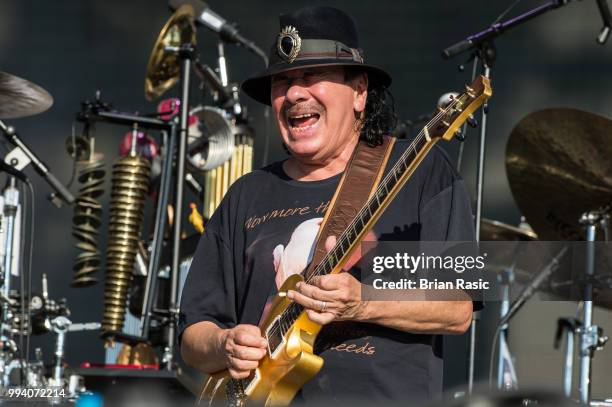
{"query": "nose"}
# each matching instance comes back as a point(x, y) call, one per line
point(297, 91)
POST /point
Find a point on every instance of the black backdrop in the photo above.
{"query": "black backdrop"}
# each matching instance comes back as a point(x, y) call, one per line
point(72, 48)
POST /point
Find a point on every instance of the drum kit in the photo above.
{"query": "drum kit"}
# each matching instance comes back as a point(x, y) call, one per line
point(558, 167)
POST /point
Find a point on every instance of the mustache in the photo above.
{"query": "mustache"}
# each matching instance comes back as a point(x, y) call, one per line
point(301, 108)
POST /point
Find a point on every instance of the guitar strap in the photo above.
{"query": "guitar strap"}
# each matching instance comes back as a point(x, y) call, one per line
point(360, 179)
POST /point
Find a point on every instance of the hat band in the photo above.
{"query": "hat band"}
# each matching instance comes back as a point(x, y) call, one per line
point(313, 49)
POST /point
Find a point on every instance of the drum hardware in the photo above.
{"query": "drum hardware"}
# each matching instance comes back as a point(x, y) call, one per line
point(505, 365)
point(590, 336)
point(504, 265)
point(161, 295)
point(36, 370)
point(76, 385)
point(13, 322)
point(196, 187)
point(61, 326)
point(101, 112)
point(87, 212)
point(60, 190)
point(506, 374)
point(220, 91)
point(171, 59)
point(44, 309)
point(567, 327)
point(130, 186)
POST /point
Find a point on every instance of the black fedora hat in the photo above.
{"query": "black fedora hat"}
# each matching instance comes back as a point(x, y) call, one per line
point(312, 37)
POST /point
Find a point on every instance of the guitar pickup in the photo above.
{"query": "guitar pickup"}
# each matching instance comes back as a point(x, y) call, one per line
point(275, 337)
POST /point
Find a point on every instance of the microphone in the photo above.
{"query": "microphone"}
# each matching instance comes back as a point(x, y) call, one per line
point(604, 10)
point(210, 19)
point(214, 22)
point(457, 48)
point(533, 285)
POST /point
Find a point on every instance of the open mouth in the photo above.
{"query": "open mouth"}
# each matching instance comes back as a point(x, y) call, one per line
point(303, 121)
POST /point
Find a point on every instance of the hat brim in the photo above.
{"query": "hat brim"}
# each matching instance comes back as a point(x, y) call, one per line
point(258, 86)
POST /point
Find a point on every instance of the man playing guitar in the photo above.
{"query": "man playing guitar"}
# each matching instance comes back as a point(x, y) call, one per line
point(325, 99)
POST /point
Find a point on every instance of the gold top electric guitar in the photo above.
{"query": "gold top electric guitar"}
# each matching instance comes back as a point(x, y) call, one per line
point(290, 361)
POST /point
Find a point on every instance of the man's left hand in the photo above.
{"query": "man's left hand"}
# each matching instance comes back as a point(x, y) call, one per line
point(333, 297)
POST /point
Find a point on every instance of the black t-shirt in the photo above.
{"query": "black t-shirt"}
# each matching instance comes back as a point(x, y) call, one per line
point(264, 230)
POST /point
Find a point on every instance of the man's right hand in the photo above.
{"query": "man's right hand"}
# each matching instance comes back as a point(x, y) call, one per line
point(243, 347)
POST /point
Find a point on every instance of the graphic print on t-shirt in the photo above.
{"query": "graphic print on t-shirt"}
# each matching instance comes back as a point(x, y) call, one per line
point(293, 256)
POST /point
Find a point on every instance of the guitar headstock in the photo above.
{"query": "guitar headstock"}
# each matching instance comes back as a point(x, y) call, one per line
point(448, 119)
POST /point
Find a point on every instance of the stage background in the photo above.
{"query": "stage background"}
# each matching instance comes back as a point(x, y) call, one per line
point(72, 48)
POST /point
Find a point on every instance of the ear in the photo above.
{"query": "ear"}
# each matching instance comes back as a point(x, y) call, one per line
point(360, 85)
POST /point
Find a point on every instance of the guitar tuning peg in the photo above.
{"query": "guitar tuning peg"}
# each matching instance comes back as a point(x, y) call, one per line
point(470, 91)
point(472, 122)
point(459, 135)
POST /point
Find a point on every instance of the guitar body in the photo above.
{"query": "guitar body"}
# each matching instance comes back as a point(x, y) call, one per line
point(280, 376)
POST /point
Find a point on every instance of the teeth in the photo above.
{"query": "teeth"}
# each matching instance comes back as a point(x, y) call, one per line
point(302, 116)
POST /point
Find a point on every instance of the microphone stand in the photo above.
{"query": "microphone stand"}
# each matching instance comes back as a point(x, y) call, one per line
point(187, 56)
point(61, 191)
point(485, 53)
point(474, 41)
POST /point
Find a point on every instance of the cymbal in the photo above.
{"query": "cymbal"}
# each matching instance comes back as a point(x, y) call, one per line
point(558, 164)
point(164, 68)
point(21, 98)
point(492, 230)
